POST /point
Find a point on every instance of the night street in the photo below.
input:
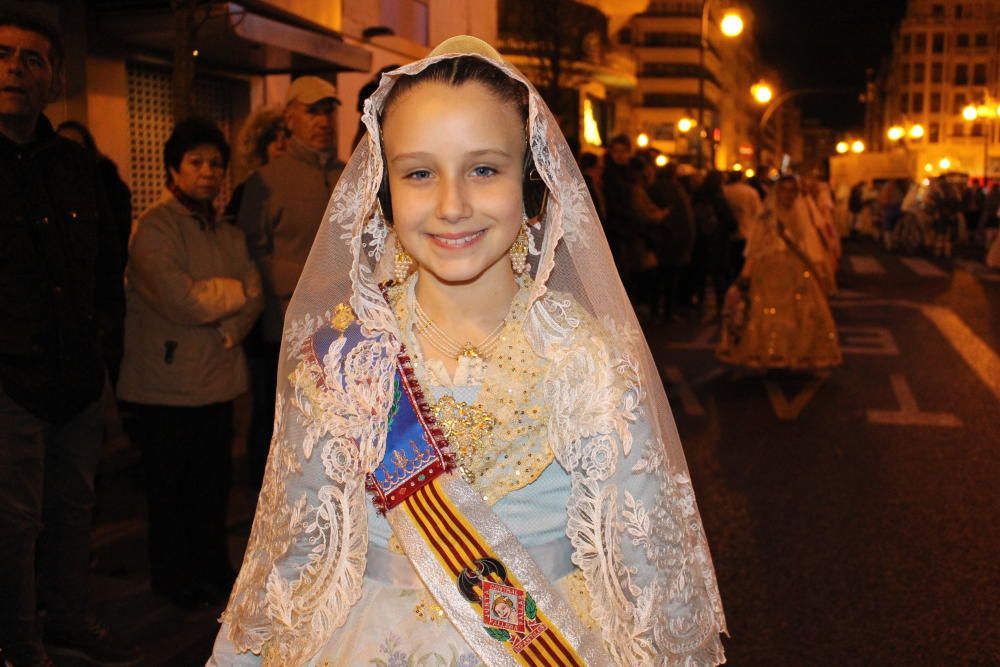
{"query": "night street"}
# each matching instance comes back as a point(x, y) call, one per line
point(853, 519)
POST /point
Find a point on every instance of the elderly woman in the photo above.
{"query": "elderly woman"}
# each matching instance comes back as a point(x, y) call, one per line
point(192, 294)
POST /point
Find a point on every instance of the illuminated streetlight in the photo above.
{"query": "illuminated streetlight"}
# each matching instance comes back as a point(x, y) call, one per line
point(917, 131)
point(732, 24)
point(896, 133)
point(750, 173)
point(928, 167)
point(970, 113)
point(642, 140)
point(685, 124)
point(858, 146)
point(762, 92)
point(737, 167)
point(945, 163)
point(842, 147)
point(661, 160)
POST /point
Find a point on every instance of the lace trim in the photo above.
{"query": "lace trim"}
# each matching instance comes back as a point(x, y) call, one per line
point(516, 451)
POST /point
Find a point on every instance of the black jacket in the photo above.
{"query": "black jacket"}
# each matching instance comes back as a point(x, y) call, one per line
point(61, 267)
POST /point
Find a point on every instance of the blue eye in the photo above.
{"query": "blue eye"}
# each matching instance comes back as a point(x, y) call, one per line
point(484, 171)
point(419, 175)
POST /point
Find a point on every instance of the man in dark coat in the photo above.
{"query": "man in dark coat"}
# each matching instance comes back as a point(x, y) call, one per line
point(61, 300)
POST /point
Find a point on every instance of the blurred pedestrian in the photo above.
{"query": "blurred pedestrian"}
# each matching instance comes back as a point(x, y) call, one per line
point(263, 138)
point(989, 219)
point(946, 206)
point(60, 297)
point(593, 176)
point(746, 205)
point(715, 223)
point(619, 218)
point(118, 193)
point(363, 94)
point(193, 294)
point(676, 238)
point(777, 315)
point(283, 205)
point(649, 220)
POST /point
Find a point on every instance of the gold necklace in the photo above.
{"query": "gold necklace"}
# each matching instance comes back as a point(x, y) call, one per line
point(448, 346)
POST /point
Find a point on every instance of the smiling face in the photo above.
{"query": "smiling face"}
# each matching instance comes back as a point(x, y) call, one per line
point(27, 79)
point(455, 159)
point(200, 173)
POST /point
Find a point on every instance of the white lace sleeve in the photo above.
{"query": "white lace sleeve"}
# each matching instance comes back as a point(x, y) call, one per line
point(306, 557)
point(632, 517)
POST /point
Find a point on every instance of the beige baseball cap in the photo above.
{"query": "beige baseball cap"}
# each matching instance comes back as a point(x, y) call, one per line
point(309, 90)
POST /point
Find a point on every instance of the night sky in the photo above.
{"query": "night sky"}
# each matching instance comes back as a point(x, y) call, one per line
point(827, 44)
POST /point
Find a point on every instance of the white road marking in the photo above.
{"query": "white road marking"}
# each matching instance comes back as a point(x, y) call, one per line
point(983, 361)
point(692, 406)
point(787, 410)
point(707, 339)
point(922, 267)
point(980, 358)
point(864, 340)
point(909, 414)
point(866, 265)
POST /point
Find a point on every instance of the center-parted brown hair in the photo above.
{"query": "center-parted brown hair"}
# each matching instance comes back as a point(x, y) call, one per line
point(457, 72)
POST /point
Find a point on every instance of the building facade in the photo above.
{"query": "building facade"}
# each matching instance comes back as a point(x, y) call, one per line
point(945, 57)
point(120, 57)
point(672, 72)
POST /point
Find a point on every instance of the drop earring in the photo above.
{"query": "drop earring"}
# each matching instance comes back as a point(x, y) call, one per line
point(403, 262)
point(519, 251)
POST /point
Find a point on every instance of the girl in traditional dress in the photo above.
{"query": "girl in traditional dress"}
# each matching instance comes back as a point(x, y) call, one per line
point(777, 314)
point(474, 462)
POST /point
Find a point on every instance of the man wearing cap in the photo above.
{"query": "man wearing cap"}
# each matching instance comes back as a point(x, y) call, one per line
point(282, 208)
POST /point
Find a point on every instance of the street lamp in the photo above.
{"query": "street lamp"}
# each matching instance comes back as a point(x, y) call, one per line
point(762, 92)
point(843, 147)
point(731, 26)
point(661, 160)
point(895, 133)
point(685, 124)
point(858, 146)
point(988, 110)
point(917, 131)
point(642, 140)
point(945, 163)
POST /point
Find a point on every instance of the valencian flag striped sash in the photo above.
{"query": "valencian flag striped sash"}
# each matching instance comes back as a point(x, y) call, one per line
point(414, 478)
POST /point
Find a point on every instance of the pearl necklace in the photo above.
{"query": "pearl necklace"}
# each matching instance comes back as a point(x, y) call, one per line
point(448, 346)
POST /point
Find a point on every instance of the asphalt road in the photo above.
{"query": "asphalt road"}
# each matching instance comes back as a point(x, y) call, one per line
point(854, 519)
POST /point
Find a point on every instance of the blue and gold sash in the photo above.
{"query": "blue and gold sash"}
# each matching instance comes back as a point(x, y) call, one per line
point(495, 595)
